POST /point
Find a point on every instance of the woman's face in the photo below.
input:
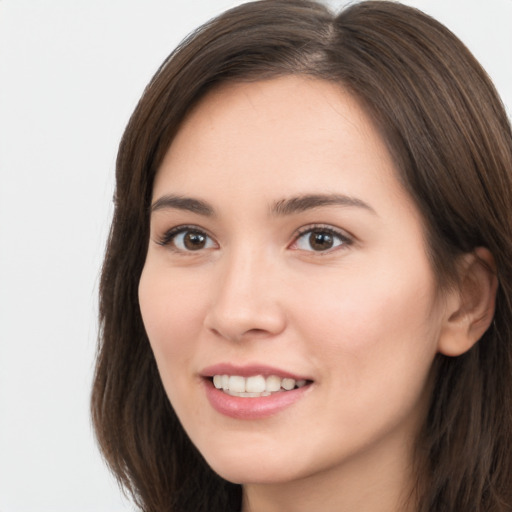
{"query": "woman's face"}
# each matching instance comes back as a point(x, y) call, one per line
point(285, 254)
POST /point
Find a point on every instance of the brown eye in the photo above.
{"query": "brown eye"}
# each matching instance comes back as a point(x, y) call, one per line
point(187, 240)
point(194, 241)
point(321, 240)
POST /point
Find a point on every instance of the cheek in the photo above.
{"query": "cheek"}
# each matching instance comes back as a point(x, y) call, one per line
point(375, 343)
point(171, 313)
point(368, 320)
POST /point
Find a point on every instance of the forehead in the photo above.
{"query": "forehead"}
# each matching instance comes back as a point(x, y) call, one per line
point(290, 135)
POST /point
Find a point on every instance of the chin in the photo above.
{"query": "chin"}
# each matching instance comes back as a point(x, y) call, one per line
point(245, 467)
point(244, 475)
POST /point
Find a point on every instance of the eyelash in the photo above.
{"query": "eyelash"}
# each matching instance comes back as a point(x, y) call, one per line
point(342, 237)
point(168, 238)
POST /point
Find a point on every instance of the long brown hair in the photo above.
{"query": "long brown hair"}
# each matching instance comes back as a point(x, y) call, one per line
point(447, 130)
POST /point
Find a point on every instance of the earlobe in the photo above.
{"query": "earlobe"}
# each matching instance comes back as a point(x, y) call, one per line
point(470, 307)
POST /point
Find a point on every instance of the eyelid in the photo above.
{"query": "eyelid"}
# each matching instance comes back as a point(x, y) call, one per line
point(169, 235)
point(341, 234)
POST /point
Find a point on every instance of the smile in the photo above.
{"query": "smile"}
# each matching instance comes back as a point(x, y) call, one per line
point(255, 386)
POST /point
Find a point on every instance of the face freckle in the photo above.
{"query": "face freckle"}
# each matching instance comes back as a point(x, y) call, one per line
point(358, 318)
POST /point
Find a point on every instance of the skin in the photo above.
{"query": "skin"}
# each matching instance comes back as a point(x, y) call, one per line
point(363, 320)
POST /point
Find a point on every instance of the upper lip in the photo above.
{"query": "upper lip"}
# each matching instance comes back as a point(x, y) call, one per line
point(248, 371)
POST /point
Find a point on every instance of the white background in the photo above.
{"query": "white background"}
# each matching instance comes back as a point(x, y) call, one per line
point(71, 72)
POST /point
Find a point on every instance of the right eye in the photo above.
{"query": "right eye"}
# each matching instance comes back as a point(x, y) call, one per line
point(187, 239)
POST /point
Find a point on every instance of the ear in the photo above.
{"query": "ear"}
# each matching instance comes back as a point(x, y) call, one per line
point(471, 305)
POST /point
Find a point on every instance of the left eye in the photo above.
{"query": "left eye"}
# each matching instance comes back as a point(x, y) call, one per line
point(320, 240)
point(190, 240)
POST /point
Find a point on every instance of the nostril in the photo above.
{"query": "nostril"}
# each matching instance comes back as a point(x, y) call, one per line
point(257, 332)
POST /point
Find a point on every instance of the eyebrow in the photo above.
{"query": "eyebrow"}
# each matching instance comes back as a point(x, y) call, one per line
point(282, 207)
point(183, 203)
point(308, 202)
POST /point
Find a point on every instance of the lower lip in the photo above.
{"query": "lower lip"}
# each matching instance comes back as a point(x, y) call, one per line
point(252, 408)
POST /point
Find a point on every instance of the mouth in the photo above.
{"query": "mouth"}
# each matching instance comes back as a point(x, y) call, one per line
point(254, 391)
point(255, 386)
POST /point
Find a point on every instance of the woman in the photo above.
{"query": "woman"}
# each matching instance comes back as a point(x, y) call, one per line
point(306, 295)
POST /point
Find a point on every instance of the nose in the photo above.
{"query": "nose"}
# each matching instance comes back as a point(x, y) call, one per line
point(246, 301)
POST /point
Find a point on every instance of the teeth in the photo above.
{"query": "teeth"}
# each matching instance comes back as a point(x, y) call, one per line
point(273, 383)
point(236, 384)
point(255, 386)
point(217, 381)
point(288, 384)
point(248, 395)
